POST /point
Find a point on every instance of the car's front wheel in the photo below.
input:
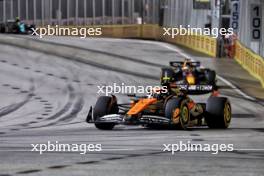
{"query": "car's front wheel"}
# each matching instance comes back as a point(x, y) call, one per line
point(177, 110)
point(105, 105)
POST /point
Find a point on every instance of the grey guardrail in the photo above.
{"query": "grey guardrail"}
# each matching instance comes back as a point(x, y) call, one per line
point(91, 58)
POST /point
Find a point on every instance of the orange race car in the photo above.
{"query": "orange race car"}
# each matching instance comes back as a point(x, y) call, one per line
point(172, 109)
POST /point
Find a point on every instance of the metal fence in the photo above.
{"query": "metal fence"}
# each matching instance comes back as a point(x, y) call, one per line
point(80, 12)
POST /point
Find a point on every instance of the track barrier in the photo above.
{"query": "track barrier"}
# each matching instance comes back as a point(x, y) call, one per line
point(250, 61)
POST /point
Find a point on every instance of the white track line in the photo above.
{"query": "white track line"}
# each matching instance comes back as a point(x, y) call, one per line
point(250, 149)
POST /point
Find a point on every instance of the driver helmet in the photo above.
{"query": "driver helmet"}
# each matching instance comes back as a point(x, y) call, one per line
point(185, 64)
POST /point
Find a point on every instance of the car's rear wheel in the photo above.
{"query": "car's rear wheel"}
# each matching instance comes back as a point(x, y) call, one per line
point(218, 112)
point(105, 105)
point(177, 110)
point(211, 77)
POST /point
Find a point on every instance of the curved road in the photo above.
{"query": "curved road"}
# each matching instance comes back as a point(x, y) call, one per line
point(46, 98)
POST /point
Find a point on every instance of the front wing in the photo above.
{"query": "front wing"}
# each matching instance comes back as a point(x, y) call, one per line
point(121, 119)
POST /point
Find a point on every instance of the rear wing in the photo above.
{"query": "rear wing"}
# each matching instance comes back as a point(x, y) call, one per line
point(181, 63)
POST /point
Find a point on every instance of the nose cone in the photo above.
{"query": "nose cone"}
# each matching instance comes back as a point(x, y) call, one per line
point(141, 105)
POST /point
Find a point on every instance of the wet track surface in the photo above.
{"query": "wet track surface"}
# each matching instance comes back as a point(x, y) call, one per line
point(46, 98)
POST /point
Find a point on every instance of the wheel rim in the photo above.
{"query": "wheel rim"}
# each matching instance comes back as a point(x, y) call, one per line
point(185, 114)
point(175, 115)
point(227, 113)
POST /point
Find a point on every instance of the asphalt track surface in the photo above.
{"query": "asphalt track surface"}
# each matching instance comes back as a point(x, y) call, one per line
point(46, 98)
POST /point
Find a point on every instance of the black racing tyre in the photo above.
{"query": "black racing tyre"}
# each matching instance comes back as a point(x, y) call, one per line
point(103, 107)
point(167, 75)
point(211, 77)
point(218, 112)
point(170, 112)
point(2, 29)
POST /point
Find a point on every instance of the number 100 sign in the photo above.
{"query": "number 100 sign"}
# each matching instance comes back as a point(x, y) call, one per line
point(256, 22)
